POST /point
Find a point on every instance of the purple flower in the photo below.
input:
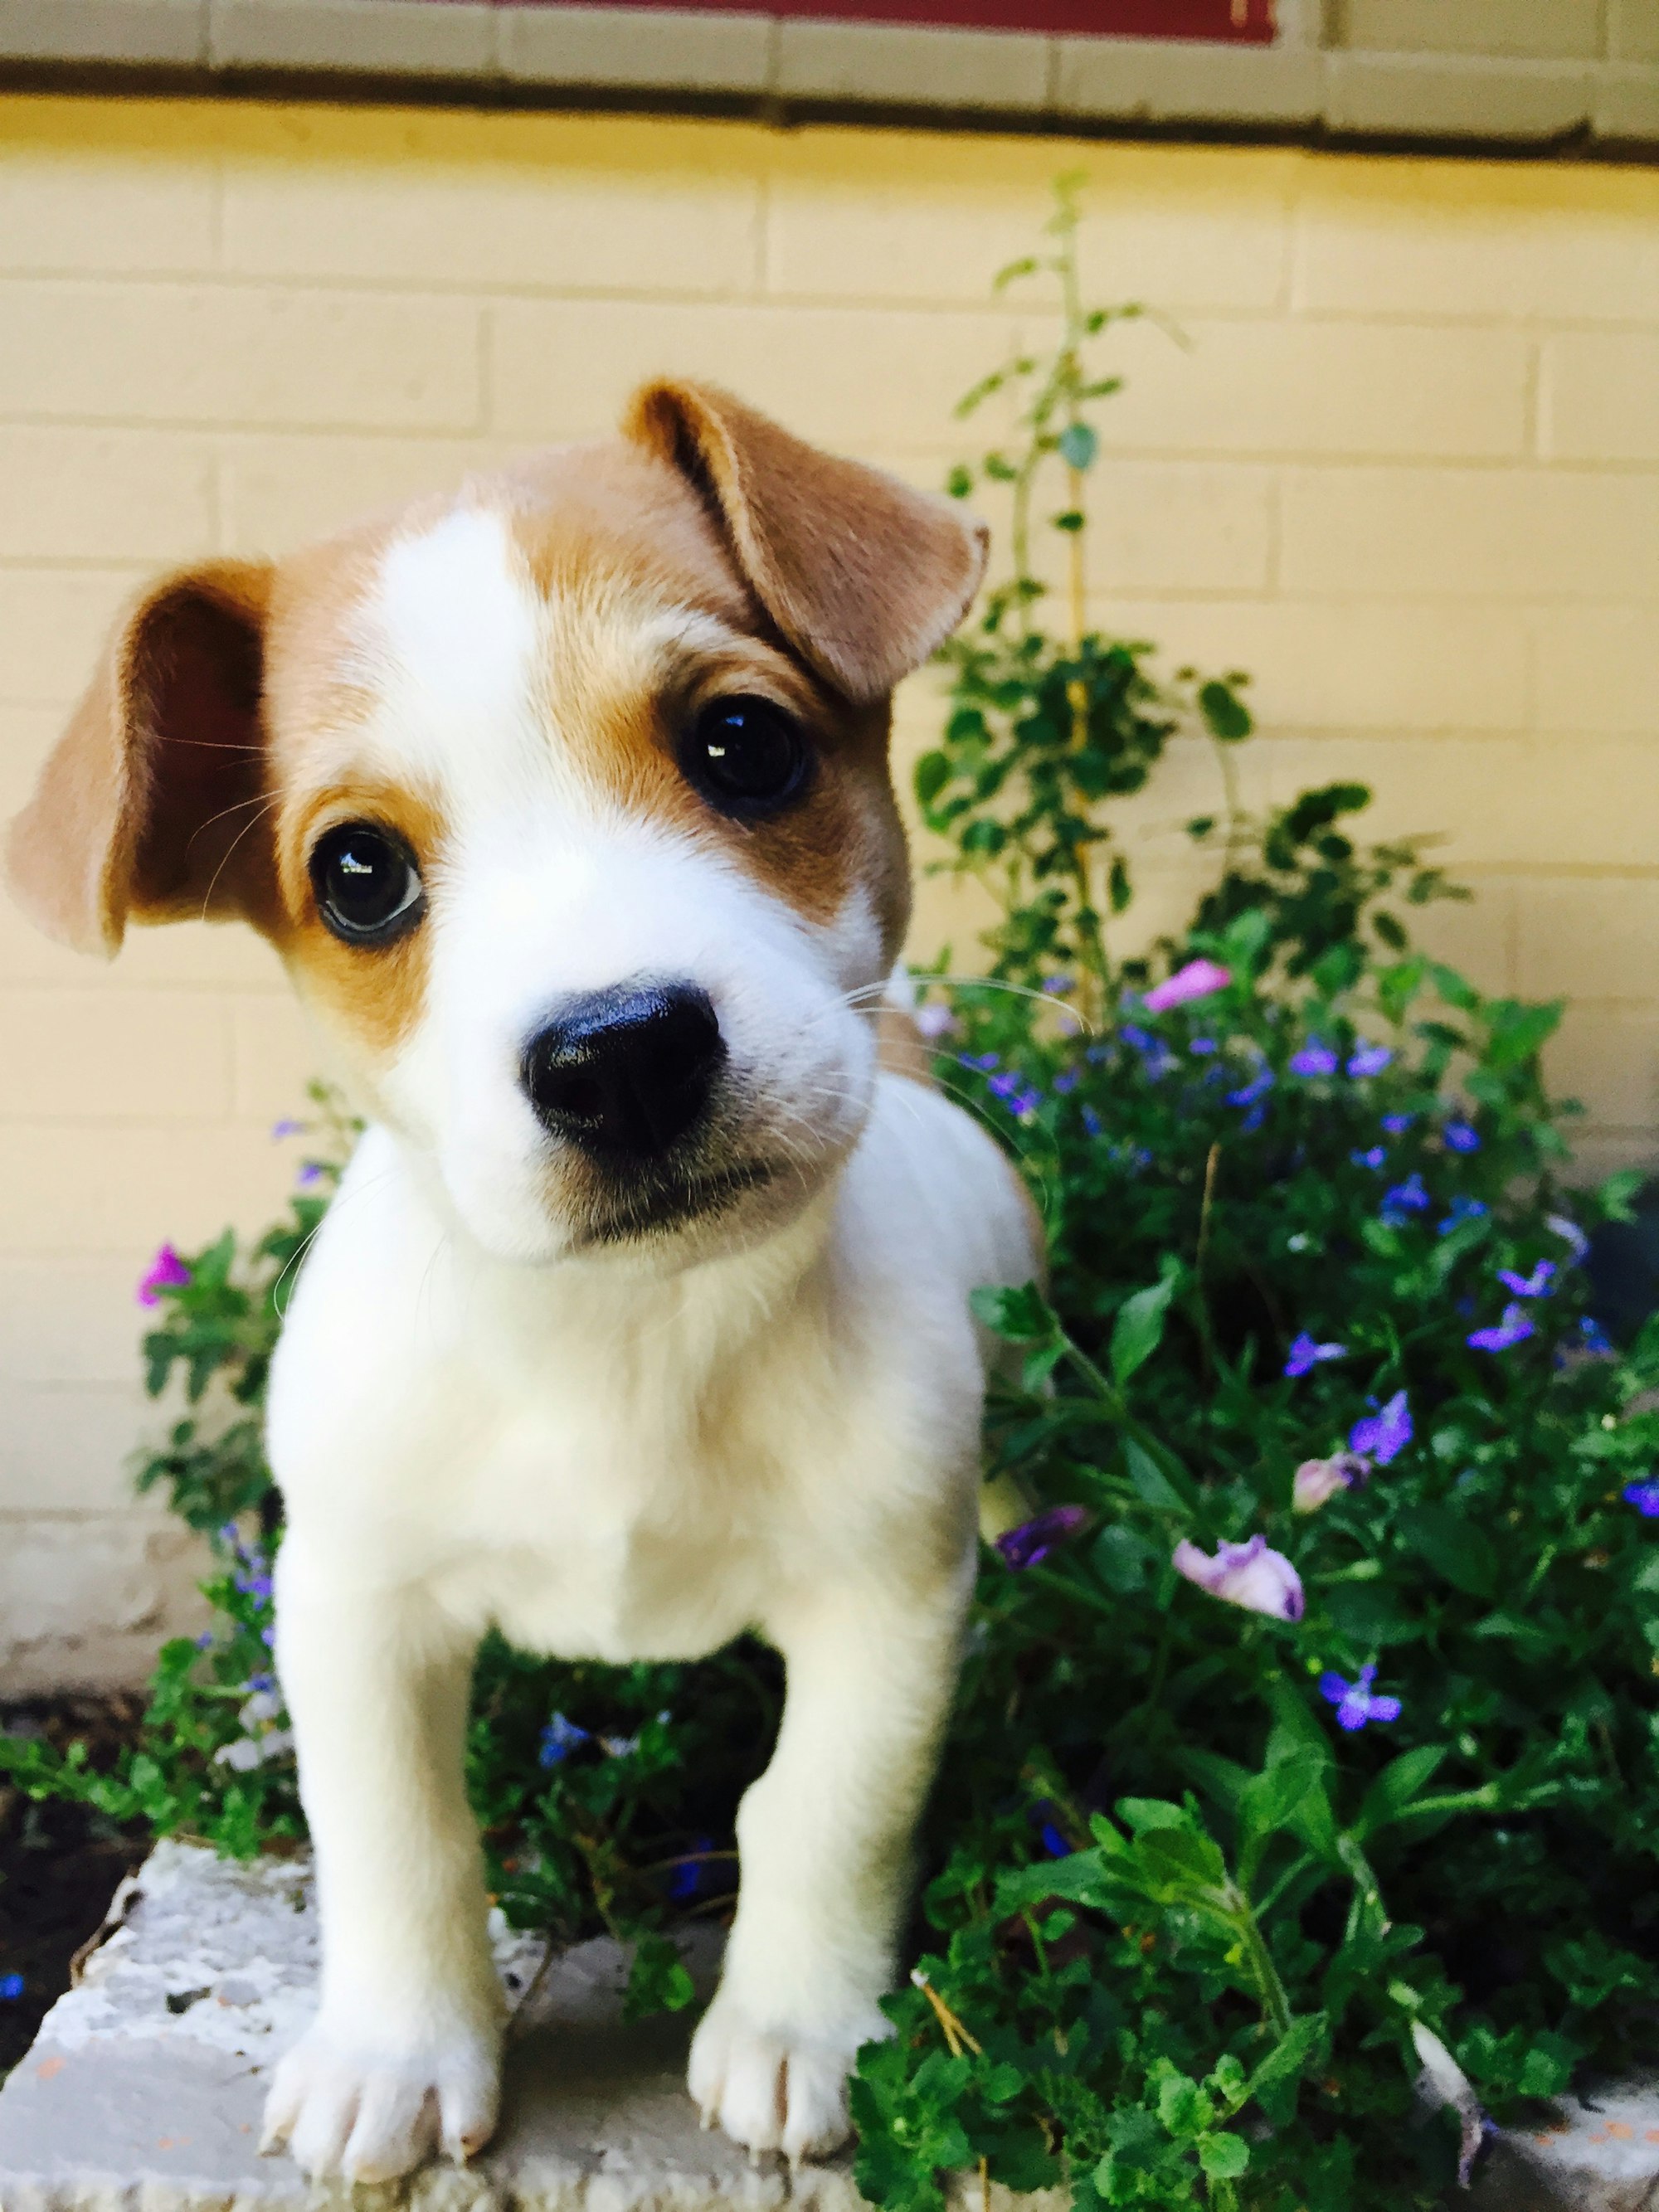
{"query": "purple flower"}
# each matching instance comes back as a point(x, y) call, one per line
point(260, 1682)
point(690, 1873)
point(1355, 1703)
point(256, 1586)
point(204, 1641)
point(288, 1127)
point(1369, 1059)
point(1405, 1200)
point(934, 1020)
point(558, 1740)
point(1460, 1137)
point(11, 1988)
point(1318, 1480)
point(1462, 1210)
point(1032, 1540)
point(1596, 1337)
point(1377, 1158)
point(1249, 1574)
point(1572, 1235)
point(1306, 1354)
point(168, 1272)
point(1397, 1124)
point(1065, 1082)
point(1314, 1058)
point(1091, 1121)
point(1053, 1842)
point(1538, 1284)
point(1199, 979)
point(1202, 1045)
point(310, 1174)
point(985, 1061)
point(1057, 985)
point(1515, 1328)
point(1020, 1097)
point(268, 1637)
point(1257, 1088)
point(1644, 1497)
point(1384, 1435)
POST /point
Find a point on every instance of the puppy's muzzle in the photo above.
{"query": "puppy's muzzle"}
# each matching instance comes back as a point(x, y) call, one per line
point(625, 1074)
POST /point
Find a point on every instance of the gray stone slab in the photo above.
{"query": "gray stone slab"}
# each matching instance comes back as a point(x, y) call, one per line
point(912, 65)
point(646, 48)
point(1456, 96)
point(142, 33)
point(1172, 80)
point(144, 2090)
point(375, 38)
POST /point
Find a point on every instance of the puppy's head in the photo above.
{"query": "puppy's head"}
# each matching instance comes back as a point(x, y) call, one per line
point(565, 801)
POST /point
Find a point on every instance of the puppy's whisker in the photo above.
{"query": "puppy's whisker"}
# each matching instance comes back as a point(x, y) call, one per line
point(251, 823)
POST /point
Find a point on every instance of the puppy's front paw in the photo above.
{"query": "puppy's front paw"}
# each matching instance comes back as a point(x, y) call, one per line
point(775, 2087)
point(344, 2107)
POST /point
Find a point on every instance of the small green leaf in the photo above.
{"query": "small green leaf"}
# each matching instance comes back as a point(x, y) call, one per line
point(1077, 445)
point(1139, 1330)
point(1224, 2157)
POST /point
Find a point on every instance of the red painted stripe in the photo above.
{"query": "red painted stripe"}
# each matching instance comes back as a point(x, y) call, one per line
point(1235, 23)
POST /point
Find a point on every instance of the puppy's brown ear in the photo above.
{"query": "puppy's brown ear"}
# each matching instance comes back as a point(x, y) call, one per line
point(150, 804)
point(863, 575)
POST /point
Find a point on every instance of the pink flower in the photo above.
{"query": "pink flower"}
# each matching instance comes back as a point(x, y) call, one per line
point(1199, 979)
point(168, 1272)
point(1249, 1574)
point(1318, 1480)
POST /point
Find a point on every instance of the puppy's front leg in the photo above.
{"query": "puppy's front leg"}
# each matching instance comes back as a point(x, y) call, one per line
point(404, 2055)
point(824, 1839)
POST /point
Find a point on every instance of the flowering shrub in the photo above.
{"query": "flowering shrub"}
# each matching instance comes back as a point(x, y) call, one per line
point(1306, 1738)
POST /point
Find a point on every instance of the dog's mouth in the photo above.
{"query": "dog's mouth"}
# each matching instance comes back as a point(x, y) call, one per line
point(663, 1203)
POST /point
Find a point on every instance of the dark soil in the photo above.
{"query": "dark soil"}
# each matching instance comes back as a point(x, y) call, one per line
point(59, 1864)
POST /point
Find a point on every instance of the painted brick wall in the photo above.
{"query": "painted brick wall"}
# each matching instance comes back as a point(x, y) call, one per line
point(1406, 469)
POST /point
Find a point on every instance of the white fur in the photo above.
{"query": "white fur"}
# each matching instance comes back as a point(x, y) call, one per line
point(620, 1452)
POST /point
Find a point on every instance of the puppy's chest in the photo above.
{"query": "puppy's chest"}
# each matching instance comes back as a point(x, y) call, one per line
point(597, 1516)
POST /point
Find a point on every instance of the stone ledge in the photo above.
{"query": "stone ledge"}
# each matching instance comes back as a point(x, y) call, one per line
point(496, 51)
point(143, 2091)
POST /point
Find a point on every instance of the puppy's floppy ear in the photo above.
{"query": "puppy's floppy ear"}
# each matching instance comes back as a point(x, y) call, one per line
point(143, 807)
point(863, 575)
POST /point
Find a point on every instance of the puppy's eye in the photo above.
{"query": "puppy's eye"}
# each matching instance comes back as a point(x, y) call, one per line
point(368, 886)
point(745, 756)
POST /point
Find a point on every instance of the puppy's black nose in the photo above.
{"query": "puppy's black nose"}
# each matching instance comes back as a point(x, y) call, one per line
point(626, 1072)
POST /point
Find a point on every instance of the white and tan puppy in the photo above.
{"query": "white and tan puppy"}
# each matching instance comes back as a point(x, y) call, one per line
point(643, 1315)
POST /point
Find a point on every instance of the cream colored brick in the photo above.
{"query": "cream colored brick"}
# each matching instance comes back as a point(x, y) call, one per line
point(1479, 239)
point(1338, 388)
point(128, 1186)
point(1185, 80)
point(69, 1448)
point(541, 202)
point(1608, 1057)
point(876, 215)
point(1475, 936)
point(279, 492)
point(103, 496)
point(1601, 398)
point(1157, 527)
point(70, 1322)
point(123, 31)
point(1499, 803)
point(1553, 29)
point(1598, 1153)
point(278, 1051)
point(93, 1057)
point(124, 205)
point(1596, 668)
point(1593, 934)
point(1633, 30)
point(53, 622)
point(180, 956)
point(1480, 533)
point(1368, 666)
point(859, 379)
point(234, 355)
point(353, 37)
point(1625, 111)
point(85, 1601)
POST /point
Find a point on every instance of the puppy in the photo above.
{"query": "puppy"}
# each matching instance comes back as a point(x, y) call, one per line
point(641, 1317)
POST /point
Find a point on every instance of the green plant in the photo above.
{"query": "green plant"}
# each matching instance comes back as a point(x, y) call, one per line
point(1307, 1727)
